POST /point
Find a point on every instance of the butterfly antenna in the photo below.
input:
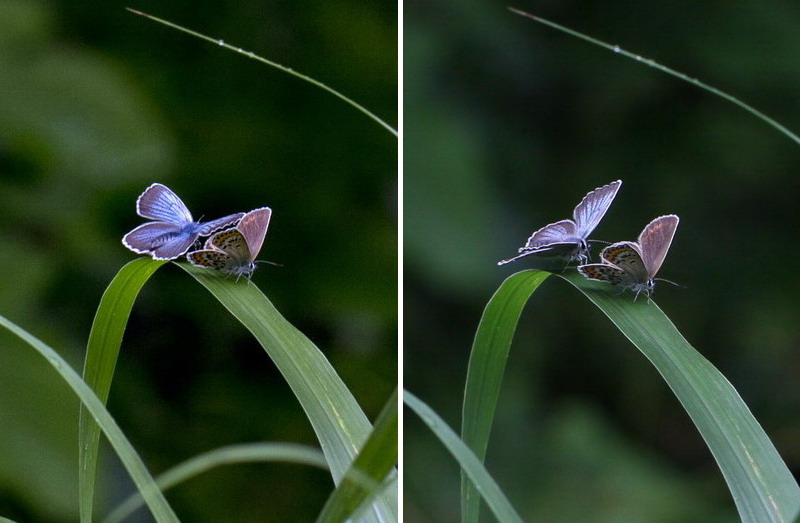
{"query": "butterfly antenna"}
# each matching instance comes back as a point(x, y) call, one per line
point(599, 241)
point(671, 282)
point(276, 264)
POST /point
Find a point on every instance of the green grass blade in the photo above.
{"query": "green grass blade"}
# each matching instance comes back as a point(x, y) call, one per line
point(230, 455)
point(376, 460)
point(761, 484)
point(101, 359)
point(652, 63)
point(487, 364)
point(276, 65)
point(338, 421)
point(6, 520)
point(469, 463)
point(130, 459)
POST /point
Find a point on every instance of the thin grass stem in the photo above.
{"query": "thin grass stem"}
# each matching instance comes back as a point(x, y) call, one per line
point(288, 70)
point(652, 63)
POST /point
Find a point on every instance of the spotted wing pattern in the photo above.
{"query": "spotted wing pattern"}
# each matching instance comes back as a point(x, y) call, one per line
point(233, 251)
point(211, 259)
point(626, 256)
point(603, 272)
point(225, 252)
point(633, 265)
point(231, 242)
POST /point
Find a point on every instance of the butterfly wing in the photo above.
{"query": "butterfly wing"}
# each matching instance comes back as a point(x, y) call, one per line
point(554, 250)
point(655, 241)
point(147, 237)
point(253, 227)
point(163, 241)
point(158, 202)
point(627, 257)
point(555, 239)
point(211, 259)
point(604, 272)
point(176, 246)
point(208, 228)
point(232, 242)
point(593, 207)
point(558, 232)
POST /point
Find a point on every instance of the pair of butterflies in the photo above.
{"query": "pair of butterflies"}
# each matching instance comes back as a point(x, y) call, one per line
point(628, 265)
point(174, 231)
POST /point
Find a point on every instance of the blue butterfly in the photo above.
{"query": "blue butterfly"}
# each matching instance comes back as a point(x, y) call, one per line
point(174, 230)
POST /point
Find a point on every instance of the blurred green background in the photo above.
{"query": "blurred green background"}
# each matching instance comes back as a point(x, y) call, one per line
point(508, 125)
point(96, 104)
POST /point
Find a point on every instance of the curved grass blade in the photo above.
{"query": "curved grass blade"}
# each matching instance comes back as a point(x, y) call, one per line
point(762, 486)
point(102, 351)
point(652, 63)
point(338, 421)
point(130, 459)
point(470, 464)
point(229, 455)
point(6, 520)
point(487, 363)
point(276, 65)
point(376, 460)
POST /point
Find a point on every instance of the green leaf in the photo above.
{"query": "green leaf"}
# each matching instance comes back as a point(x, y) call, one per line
point(487, 364)
point(102, 350)
point(376, 460)
point(340, 424)
point(130, 459)
point(761, 484)
point(229, 455)
point(470, 464)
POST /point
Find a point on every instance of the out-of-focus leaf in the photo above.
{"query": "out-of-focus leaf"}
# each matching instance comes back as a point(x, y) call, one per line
point(230, 455)
point(470, 464)
point(141, 477)
point(377, 458)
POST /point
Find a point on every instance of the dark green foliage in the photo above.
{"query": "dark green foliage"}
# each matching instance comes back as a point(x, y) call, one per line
point(507, 123)
point(98, 103)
